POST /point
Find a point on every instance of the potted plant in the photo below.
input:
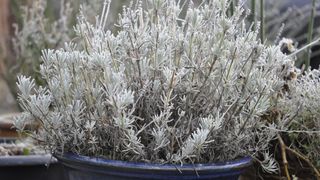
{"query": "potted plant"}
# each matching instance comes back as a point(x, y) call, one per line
point(177, 92)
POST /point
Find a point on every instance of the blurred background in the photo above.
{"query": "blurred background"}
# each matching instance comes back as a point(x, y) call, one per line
point(27, 27)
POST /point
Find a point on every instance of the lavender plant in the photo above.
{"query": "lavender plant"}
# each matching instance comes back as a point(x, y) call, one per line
point(165, 88)
point(301, 109)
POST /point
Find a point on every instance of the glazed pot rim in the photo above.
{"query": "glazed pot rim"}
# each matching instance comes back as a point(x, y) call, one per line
point(237, 164)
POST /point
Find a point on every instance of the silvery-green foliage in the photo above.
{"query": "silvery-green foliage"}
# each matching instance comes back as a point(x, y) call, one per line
point(269, 164)
point(164, 88)
point(301, 106)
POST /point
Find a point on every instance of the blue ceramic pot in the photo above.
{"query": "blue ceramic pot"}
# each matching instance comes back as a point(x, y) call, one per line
point(88, 168)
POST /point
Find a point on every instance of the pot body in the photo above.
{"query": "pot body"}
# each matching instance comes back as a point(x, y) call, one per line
point(88, 168)
point(31, 167)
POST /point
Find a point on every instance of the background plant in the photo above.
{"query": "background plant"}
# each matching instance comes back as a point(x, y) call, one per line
point(300, 103)
point(302, 108)
point(293, 19)
point(44, 24)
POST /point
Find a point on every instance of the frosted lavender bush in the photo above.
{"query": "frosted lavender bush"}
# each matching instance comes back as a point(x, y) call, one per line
point(165, 88)
point(301, 110)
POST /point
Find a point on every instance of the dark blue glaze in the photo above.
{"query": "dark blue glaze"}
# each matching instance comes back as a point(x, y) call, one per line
point(30, 167)
point(89, 168)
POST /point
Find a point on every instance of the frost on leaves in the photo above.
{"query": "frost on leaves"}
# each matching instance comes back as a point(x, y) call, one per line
point(162, 88)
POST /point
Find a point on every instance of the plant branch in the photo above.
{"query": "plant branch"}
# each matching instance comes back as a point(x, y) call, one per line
point(262, 21)
point(284, 157)
point(285, 148)
point(305, 47)
point(305, 159)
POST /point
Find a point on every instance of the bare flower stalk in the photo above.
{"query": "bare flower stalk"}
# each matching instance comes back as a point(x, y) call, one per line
point(310, 34)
